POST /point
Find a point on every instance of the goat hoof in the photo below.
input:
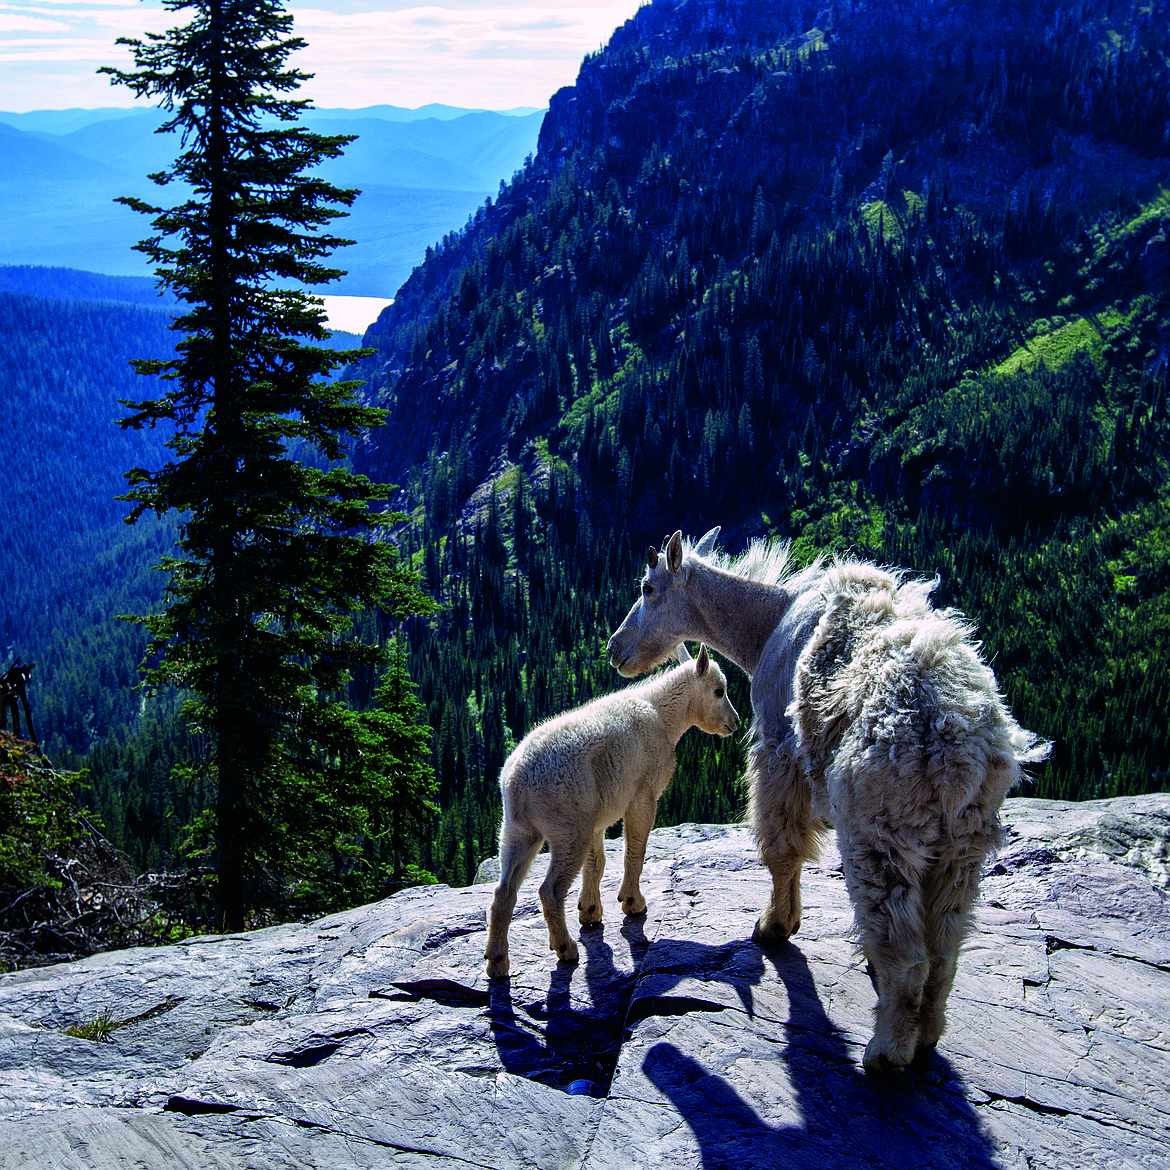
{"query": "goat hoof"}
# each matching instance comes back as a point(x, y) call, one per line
point(567, 952)
point(772, 934)
point(634, 906)
point(498, 968)
point(589, 914)
point(879, 1063)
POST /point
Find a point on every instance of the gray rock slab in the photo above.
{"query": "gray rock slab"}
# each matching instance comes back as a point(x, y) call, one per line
point(84, 1138)
point(372, 1037)
point(77, 1139)
point(1130, 830)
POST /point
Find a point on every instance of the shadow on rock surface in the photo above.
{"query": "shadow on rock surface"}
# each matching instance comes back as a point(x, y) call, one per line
point(848, 1119)
point(561, 1039)
point(736, 965)
point(552, 1040)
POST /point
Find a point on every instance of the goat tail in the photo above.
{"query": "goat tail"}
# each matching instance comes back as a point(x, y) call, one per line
point(1028, 747)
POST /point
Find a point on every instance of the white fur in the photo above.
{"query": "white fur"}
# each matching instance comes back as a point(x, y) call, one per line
point(573, 776)
point(875, 712)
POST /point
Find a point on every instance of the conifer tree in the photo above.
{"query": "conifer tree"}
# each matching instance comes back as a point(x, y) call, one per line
point(275, 556)
point(405, 780)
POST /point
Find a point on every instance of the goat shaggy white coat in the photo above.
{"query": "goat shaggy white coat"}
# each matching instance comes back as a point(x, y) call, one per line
point(873, 711)
point(584, 770)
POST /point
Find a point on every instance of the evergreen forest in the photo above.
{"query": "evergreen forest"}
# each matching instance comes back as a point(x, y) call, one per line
point(895, 284)
point(881, 281)
point(70, 564)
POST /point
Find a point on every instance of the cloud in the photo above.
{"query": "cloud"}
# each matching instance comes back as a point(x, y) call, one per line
point(549, 25)
point(50, 52)
point(23, 22)
point(478, 53)
point(496, 55)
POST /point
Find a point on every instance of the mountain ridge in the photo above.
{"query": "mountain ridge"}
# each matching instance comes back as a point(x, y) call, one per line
point(419, 176)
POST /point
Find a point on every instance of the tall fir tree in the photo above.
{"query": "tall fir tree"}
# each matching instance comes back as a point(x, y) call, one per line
point(275, 555)
point(407, 788)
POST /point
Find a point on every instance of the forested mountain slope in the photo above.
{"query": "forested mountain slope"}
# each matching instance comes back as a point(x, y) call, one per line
point(884, 279)
point(71, 284)
point(69, 564)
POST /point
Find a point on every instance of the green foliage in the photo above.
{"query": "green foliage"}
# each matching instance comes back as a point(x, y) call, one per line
point(400, 743)
point(100, 1028)
point(1079, 623)
point(1055, 348)
point(344, 835)
point(64, 892)
point(38, 818)
point(276, 557)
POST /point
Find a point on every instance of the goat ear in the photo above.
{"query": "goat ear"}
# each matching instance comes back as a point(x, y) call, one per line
point(674, 552)
point(703, 663)
point(652, 556)
point(707, 544)
point(684, 655)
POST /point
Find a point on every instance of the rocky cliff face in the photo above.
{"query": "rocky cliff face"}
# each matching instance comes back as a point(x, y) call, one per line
point(372, 1038)
point(618, 103)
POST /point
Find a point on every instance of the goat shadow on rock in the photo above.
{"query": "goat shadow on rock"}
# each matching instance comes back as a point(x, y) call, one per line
point(559, 1038)
point(847, 1119)
point(811, 1069)
point(555, 1041)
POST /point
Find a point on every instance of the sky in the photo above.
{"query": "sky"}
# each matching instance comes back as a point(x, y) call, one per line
point(489, 54)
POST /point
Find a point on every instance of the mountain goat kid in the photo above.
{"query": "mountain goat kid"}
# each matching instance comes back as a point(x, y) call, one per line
point(573, 776)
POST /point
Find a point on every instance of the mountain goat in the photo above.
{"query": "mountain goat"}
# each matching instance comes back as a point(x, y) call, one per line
point(584, 770)
point(873, 711)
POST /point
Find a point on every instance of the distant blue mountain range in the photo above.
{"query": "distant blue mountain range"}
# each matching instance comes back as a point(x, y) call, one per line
point(421, 173)
point(70, 285)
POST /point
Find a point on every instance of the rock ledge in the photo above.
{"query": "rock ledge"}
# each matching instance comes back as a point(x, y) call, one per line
point(373, 1039)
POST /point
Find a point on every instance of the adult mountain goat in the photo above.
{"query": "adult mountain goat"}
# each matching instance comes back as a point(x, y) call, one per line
point(873, 711)
point(573, 776)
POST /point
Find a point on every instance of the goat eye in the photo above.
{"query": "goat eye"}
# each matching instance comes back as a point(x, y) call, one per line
point(647, 588)
point(719, 692)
